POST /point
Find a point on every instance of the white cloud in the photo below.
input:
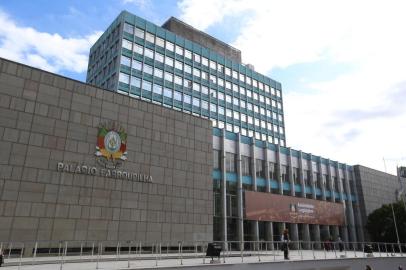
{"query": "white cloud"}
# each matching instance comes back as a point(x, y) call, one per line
point(47, 51)
point(355, 117)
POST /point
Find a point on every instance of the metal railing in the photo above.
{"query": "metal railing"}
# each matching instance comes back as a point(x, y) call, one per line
point(132, 253)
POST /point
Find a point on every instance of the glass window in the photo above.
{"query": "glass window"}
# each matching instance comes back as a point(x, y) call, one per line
point(168, 92)
point(178, 80)
point(255, 96)
point(228, 71)
point(124, 78)
point(138, 49)
point(249, 106)
point(139, 32)
point(177, 96)
point(229, 113)
point(160, 42)
point(220, 68)
point(137, 65)
point(220, 82)
point(262, 111)
point(250, 120)
point(170, 46)
point(187, 83)
point(196, 87)
point(248, 80)
point(242, 77)
point(249, 93)
point(147, 69)
point(188, 54)
point(278, 93)
point(228, 85)
point(213, 107)
point(261, 98)
point(260, 168)
point(284, 173)
point(169, 76)
point(273, 170)
point(169, 61)
point(216, 159)
point(221, 110)
point(266, 88)
point(204, 90)
point(149, 53)
point(228, 98)
point(213, 65)
point(213, 79)
point(127, 44)
point(204, 75)
point(260, 86)
point(205, 61)
point(243, 104)
point(236, 115)
point(136, 82)
point(205, 105)
point(235, 101)
point(178, 65)
point(243, 118)
point(213, 93)
point(159, 57)
point(187, 99)
point(196, 72)
point(158, 73)
point(196, 102)
point(125, 61)
point(221, 96)
point(231, 162)
point(147, 86)
point(256, 122)
point(188, 69)
point(196, 57)
point(245, 165)
point(128, 28)
point(149, 37)
point(179, 50)
point(254, 83)
point(157, 89)
point(235, 74)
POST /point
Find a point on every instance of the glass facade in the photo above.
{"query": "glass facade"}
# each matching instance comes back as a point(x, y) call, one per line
point(194, 79)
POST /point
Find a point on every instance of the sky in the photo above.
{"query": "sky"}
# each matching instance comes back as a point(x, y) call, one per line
point(342, 63)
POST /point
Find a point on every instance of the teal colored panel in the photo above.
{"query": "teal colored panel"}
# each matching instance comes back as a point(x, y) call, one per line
point(246, 179)
point(216, 174)
point(306, 156)
point(123, 86)
point(231, 136)
point(232, 177)
point(217, 132)
point(284, 150)
point(260, 144)
point(274, 183)
point(286, 186)
point(318, 192)
point(295, 153)
point(298, 188)
point(309, 190)
point(261, 182)
point(345, 196)
point(328, 194)
point(272, 146)
point(336, 195)
point(246, 140)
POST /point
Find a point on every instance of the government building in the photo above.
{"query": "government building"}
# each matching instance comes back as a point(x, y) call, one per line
point(172, 138)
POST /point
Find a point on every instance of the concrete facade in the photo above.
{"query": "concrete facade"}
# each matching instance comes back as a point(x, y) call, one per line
point(46, 119)
point(189, 32)
point(374, 188)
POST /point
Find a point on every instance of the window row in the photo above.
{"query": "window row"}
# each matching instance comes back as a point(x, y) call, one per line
point(148, 69)
point(201, 60)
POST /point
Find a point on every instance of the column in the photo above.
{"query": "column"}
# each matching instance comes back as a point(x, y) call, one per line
point(293, 230)
point(224, 192)
point(281, 225)
point(268, 224)
point(349, 208)
point(240, 224)
point(255, 230)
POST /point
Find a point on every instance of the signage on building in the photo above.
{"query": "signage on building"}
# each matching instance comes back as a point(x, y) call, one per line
point(278, 208)
point(111, 152)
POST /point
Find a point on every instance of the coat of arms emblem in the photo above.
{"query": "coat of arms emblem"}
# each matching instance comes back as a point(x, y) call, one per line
point(111, 145)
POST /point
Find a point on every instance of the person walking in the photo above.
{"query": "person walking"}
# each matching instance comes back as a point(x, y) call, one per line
point(285, 244)
point(1, 258)
point(367, 267)
point(340, 244)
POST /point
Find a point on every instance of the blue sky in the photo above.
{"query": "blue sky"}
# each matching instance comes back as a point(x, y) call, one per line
point(341, 63)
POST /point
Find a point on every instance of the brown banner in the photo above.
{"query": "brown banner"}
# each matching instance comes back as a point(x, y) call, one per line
point(272, 207)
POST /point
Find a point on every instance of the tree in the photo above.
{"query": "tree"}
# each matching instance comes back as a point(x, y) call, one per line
point(381, 227)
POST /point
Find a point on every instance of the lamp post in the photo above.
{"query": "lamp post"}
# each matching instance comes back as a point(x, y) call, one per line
point(394, 221)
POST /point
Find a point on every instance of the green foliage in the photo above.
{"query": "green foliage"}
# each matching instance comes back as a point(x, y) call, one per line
point(381, 227)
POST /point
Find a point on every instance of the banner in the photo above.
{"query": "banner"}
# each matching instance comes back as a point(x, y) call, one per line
point(272, 207)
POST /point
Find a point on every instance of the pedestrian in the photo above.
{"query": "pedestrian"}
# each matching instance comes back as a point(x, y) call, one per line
point(367, 267)
point(340, 244)
point(285, 244)
point(400, 267)
point(1, 258)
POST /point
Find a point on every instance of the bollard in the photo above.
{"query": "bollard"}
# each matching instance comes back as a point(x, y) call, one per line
point(314, 255)
point(35, 253)
point(301, 252)
point(242, 251)
point(129, 254)
point(81, 249)
point(156, 255)
point(10, 247)
point(180, 253)
point(92, 252)
point(118, 246)
point(21, 256)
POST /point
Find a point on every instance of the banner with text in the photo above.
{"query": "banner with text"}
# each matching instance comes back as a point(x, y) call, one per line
point(271, 207)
